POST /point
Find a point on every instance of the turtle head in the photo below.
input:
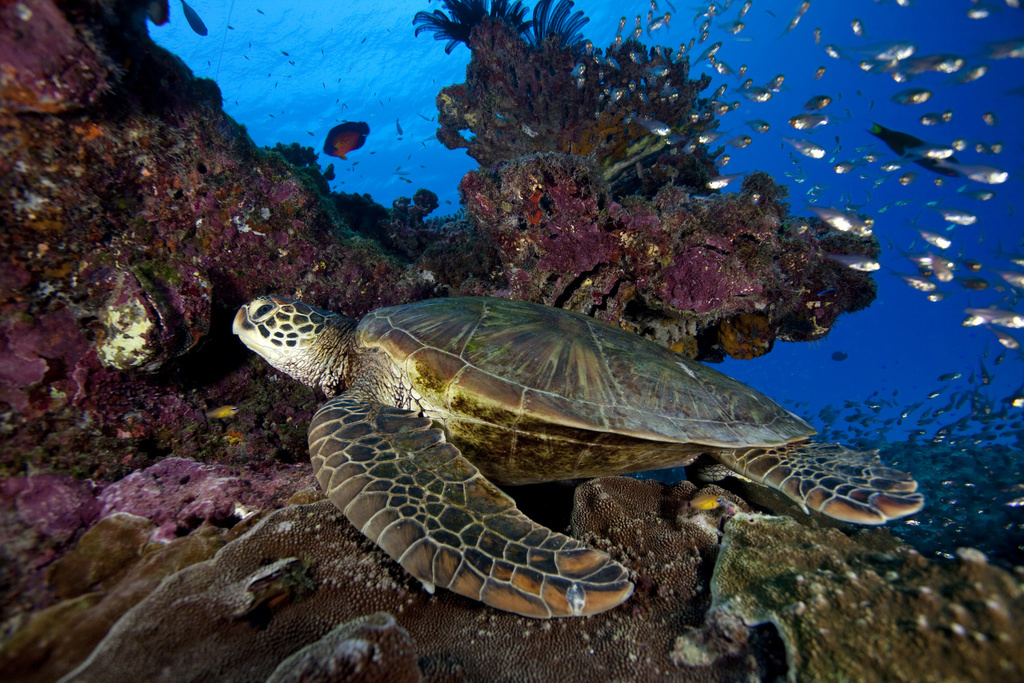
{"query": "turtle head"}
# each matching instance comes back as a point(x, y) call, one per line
point(308, 343)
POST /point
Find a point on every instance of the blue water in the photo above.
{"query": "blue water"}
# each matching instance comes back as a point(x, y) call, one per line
point(361, 62)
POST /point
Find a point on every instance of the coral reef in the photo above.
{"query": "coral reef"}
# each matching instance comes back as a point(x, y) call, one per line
point(705, 275)
point(370, 649)
point(519, 99)
point(40, 41)
point(136, 222)
point(865, 608)
point(140, 217)
point(43, 516)
point(302, 571)
point(721, 595)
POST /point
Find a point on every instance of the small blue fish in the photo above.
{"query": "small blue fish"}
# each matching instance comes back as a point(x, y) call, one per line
point(840, 355)
point(826, 291)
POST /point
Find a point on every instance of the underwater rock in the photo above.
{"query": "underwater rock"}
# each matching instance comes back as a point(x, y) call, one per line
point(865, 608)
point(37, 41)
point(178, 494)
point(42, 515)
point(304, 570)
point(102, 556)
point(367, 649)
point(135, 224)
point(155, 312)
point(54, 640)
point(57, 505)
point(694, 272)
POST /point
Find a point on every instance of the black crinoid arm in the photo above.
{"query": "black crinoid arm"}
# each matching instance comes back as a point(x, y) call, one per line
point(464, 15)
point(551, 19)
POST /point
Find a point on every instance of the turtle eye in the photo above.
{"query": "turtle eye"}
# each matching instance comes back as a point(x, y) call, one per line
point(263, 310)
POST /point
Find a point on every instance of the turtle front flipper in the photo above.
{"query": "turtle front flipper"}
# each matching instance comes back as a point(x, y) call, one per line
point(402, 485)
point(853, 486)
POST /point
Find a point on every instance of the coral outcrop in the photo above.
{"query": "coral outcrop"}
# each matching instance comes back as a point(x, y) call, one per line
point(520, 98)
point(704, 274)
point(111, 525)
point(303, 571)
point(865, 608)
point(139, 217)
point(721, 595)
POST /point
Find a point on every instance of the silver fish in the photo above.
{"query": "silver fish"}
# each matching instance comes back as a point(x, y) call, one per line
point(654, 126)
point(861, 263)
point(958, 216)
point(817, 103)
point(806, 147)
point(989, 175)
point(992, 316)
point(935, 239)
point(720, 181)
point(808, 121)
point(839, 220)
point(912, 96)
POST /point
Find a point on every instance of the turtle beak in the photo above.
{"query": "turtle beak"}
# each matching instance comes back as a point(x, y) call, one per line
point(242, 321)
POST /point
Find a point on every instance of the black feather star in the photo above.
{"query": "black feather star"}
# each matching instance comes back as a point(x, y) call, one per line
point(464, 15)
point(558, 22)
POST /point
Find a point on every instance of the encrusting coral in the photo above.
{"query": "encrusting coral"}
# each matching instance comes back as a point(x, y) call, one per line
point(303, 570)
point(865, 608)
point(721, 595)
point(686, 269)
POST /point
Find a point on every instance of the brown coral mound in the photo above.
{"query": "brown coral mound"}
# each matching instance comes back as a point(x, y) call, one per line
point(304, 570)
point(866, 609)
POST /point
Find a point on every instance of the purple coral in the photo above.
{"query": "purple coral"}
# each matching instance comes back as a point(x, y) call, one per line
point(56, 505)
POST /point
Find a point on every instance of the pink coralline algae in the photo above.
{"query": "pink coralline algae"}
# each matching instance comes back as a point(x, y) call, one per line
point(42, 515)
point(177, 492)
point(680, 266)
point(135, 225)
point(55, 505)
point(41, 42)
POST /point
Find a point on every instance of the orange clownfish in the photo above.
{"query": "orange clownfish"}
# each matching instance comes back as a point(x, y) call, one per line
point(345, 137)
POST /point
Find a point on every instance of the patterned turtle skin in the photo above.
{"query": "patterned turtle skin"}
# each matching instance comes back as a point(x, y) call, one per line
point(436, 401)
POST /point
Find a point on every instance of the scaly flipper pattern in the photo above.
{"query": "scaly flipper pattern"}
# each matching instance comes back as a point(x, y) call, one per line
point(850, 485)
point(402, 485)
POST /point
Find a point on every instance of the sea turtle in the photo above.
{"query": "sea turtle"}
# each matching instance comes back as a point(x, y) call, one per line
point(436, 401)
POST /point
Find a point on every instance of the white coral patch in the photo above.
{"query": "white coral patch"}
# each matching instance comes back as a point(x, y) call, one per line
point(125, 345)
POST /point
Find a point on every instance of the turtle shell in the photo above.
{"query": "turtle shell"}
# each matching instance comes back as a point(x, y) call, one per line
point(537, 393)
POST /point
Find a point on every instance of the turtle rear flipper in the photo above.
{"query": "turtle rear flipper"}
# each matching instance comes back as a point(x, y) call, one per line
point(402, 485)
point(853, 486)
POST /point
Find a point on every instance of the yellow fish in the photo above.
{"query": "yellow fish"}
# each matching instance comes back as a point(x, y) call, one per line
point(221, 413)
point(707, 501)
